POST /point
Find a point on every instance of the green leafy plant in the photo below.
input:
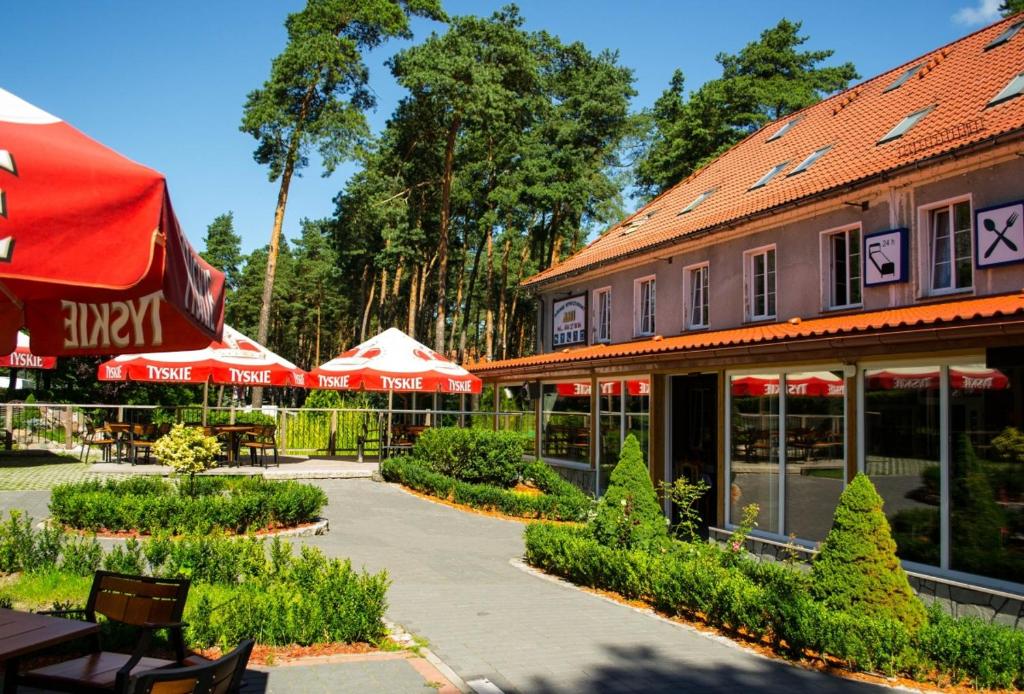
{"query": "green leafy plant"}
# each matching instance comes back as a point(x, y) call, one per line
point(472, 455)
point(628, 515)
point(684, 494)
point(187, 450)
point(1009, 445)
point(857, 569)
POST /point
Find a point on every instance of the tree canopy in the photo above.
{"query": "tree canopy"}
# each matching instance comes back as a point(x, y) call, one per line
point(767, 80)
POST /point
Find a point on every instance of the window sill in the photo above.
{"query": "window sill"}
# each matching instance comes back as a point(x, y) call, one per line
point(938, 294)
point(760, 319)
point(841, 309)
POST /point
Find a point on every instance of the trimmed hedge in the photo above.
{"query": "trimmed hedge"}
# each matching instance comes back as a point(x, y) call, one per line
point(774, 601)
point(560, 500)
point(479, 456)
point(629, 515)
point(242, 587)
point(151, 505)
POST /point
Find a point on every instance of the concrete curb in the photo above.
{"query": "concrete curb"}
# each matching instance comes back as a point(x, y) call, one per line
point(402, 637)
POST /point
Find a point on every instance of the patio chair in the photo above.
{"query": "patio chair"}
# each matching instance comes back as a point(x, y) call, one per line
point(141, 437)
point(216, 677)
point(262, 439)
point(148, 604)
point(101, 438)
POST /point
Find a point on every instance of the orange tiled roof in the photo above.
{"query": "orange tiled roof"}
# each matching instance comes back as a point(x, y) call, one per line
point(905, 317)
point(959, 80)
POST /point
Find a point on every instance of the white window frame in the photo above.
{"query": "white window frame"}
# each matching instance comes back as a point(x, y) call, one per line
point(748, 283)
point(688, 289)
point(638, 316)
point(926, 252)
point(597, 323)
point(827, 270)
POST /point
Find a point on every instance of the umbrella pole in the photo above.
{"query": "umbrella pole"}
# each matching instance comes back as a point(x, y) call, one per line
point(206, 398)
point(390, 396)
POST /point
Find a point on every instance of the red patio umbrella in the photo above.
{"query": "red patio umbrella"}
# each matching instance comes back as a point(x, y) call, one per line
point(815, 384)
point(92, 260)
point(581, 389)
point(394, 362)
point(927, 378)
point(234, 360)
point(23, 358)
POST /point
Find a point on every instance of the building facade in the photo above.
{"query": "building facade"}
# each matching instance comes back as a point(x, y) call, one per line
point(842, 291)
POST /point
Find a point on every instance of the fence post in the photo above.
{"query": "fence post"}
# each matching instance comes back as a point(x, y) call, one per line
point(283, 414)
point(9, 426)
point(120, 414)
point(67, 428)
point(332, 437)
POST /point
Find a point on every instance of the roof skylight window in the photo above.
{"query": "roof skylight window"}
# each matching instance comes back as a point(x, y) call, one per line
point(775, 170)
point(903, 78)
point(784, 129)
point(1014, 88)
point(698, 200)
point(906, 124)
point(1008, 34)
point(809, 161)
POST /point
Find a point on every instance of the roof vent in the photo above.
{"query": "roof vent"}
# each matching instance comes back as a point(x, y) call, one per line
point(845, 100)
point(795, 320)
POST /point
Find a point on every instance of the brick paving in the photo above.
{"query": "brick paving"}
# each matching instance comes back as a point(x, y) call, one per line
point(41, 471)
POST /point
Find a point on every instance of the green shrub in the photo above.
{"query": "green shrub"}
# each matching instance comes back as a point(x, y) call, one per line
point(1009, 445)
point(472, 455)
point(561, 500)
point(857, 569)
point(151, 506)
point(628, 515)
point(990, 655)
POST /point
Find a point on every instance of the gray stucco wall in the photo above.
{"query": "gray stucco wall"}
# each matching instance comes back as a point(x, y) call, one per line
point(800, 260)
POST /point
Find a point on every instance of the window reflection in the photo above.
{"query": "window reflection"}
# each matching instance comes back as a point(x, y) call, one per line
point(754, 437)
point(565, 412)
point(901, 439)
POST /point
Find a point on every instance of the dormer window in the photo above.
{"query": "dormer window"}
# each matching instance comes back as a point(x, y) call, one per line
point(906, 124)
point(906, 75)
point(784, 129)
point(698, 200)
point(1008, 34)
point(809, 161)
point(763, 181)
point(1014, 88)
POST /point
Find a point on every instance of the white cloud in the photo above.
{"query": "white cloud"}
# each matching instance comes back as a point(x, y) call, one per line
point(985, 12)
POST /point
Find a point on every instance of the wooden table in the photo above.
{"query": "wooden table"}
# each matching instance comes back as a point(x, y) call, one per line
point(234, 435)
point(120, 431)
point(24, 633)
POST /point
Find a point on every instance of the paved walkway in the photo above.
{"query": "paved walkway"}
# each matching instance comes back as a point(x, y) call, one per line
point(485, 618)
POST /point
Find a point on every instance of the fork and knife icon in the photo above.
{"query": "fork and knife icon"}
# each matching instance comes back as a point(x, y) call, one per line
point(990, 225)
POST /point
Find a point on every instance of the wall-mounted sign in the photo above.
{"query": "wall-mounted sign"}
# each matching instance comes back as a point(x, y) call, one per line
point(569, 321)
point(999, 235)
point(885, 257)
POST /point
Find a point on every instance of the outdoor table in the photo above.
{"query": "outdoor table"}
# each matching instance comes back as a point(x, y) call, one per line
point(234, 436)
point(119, 431)
point(24, 633)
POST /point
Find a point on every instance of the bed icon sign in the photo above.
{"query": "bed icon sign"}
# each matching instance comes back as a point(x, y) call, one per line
point(885, 257)
point(999, 235)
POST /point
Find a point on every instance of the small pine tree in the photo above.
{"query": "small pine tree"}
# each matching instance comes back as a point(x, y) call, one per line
point(628, 515)
point(857, 569)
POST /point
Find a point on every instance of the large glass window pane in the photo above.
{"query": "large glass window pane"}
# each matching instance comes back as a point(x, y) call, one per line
point(941, 271)
point(516, 413)
point(611, 430)
point(986, 486)
point(815, 451)
point(902, 456)
point(962, 243)
point(638, 411)
point(565, 412)
point(839, 270)
point(854, 247)
point(754, 455)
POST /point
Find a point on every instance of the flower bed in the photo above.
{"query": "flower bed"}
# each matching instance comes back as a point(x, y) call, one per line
point(557, 500)
point(150, 505)
point(241, 587)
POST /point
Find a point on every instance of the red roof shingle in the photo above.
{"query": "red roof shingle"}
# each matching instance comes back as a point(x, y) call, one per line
point(958, 80)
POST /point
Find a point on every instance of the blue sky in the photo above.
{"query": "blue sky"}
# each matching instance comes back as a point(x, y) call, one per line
point(164, 83)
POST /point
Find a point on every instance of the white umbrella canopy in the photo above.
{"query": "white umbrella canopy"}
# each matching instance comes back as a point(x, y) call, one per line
point(394, 362)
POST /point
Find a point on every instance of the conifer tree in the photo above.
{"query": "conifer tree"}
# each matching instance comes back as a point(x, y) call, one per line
point(628, 515)
point(857, 569)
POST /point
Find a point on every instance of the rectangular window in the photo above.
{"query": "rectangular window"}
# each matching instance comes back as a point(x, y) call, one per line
point(603, 317)
point(760, 276)
point(644, 298)
point(949, 243)
point(844, 269)
point(697, 285)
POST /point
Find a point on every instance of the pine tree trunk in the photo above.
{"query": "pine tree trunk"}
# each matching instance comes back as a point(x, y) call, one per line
point(489, 316)
point(460, 314)
point(442, 242)
point(366, 313)
point(410, 327)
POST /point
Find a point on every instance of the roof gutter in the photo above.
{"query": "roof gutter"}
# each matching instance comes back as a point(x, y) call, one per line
point(849, 187)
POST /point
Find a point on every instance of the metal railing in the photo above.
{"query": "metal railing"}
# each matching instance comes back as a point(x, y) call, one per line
point(302, 431)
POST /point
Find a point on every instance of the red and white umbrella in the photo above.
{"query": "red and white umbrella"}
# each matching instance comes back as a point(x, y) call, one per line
point(394, 362)
point(92, 260)
point(23, 358)
point(927, 378)
point(813, 384)
point(234, 360)
point(581, 389)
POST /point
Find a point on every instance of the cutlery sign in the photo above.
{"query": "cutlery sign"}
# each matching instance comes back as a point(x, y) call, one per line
point(999, 235)
point(885, 257)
